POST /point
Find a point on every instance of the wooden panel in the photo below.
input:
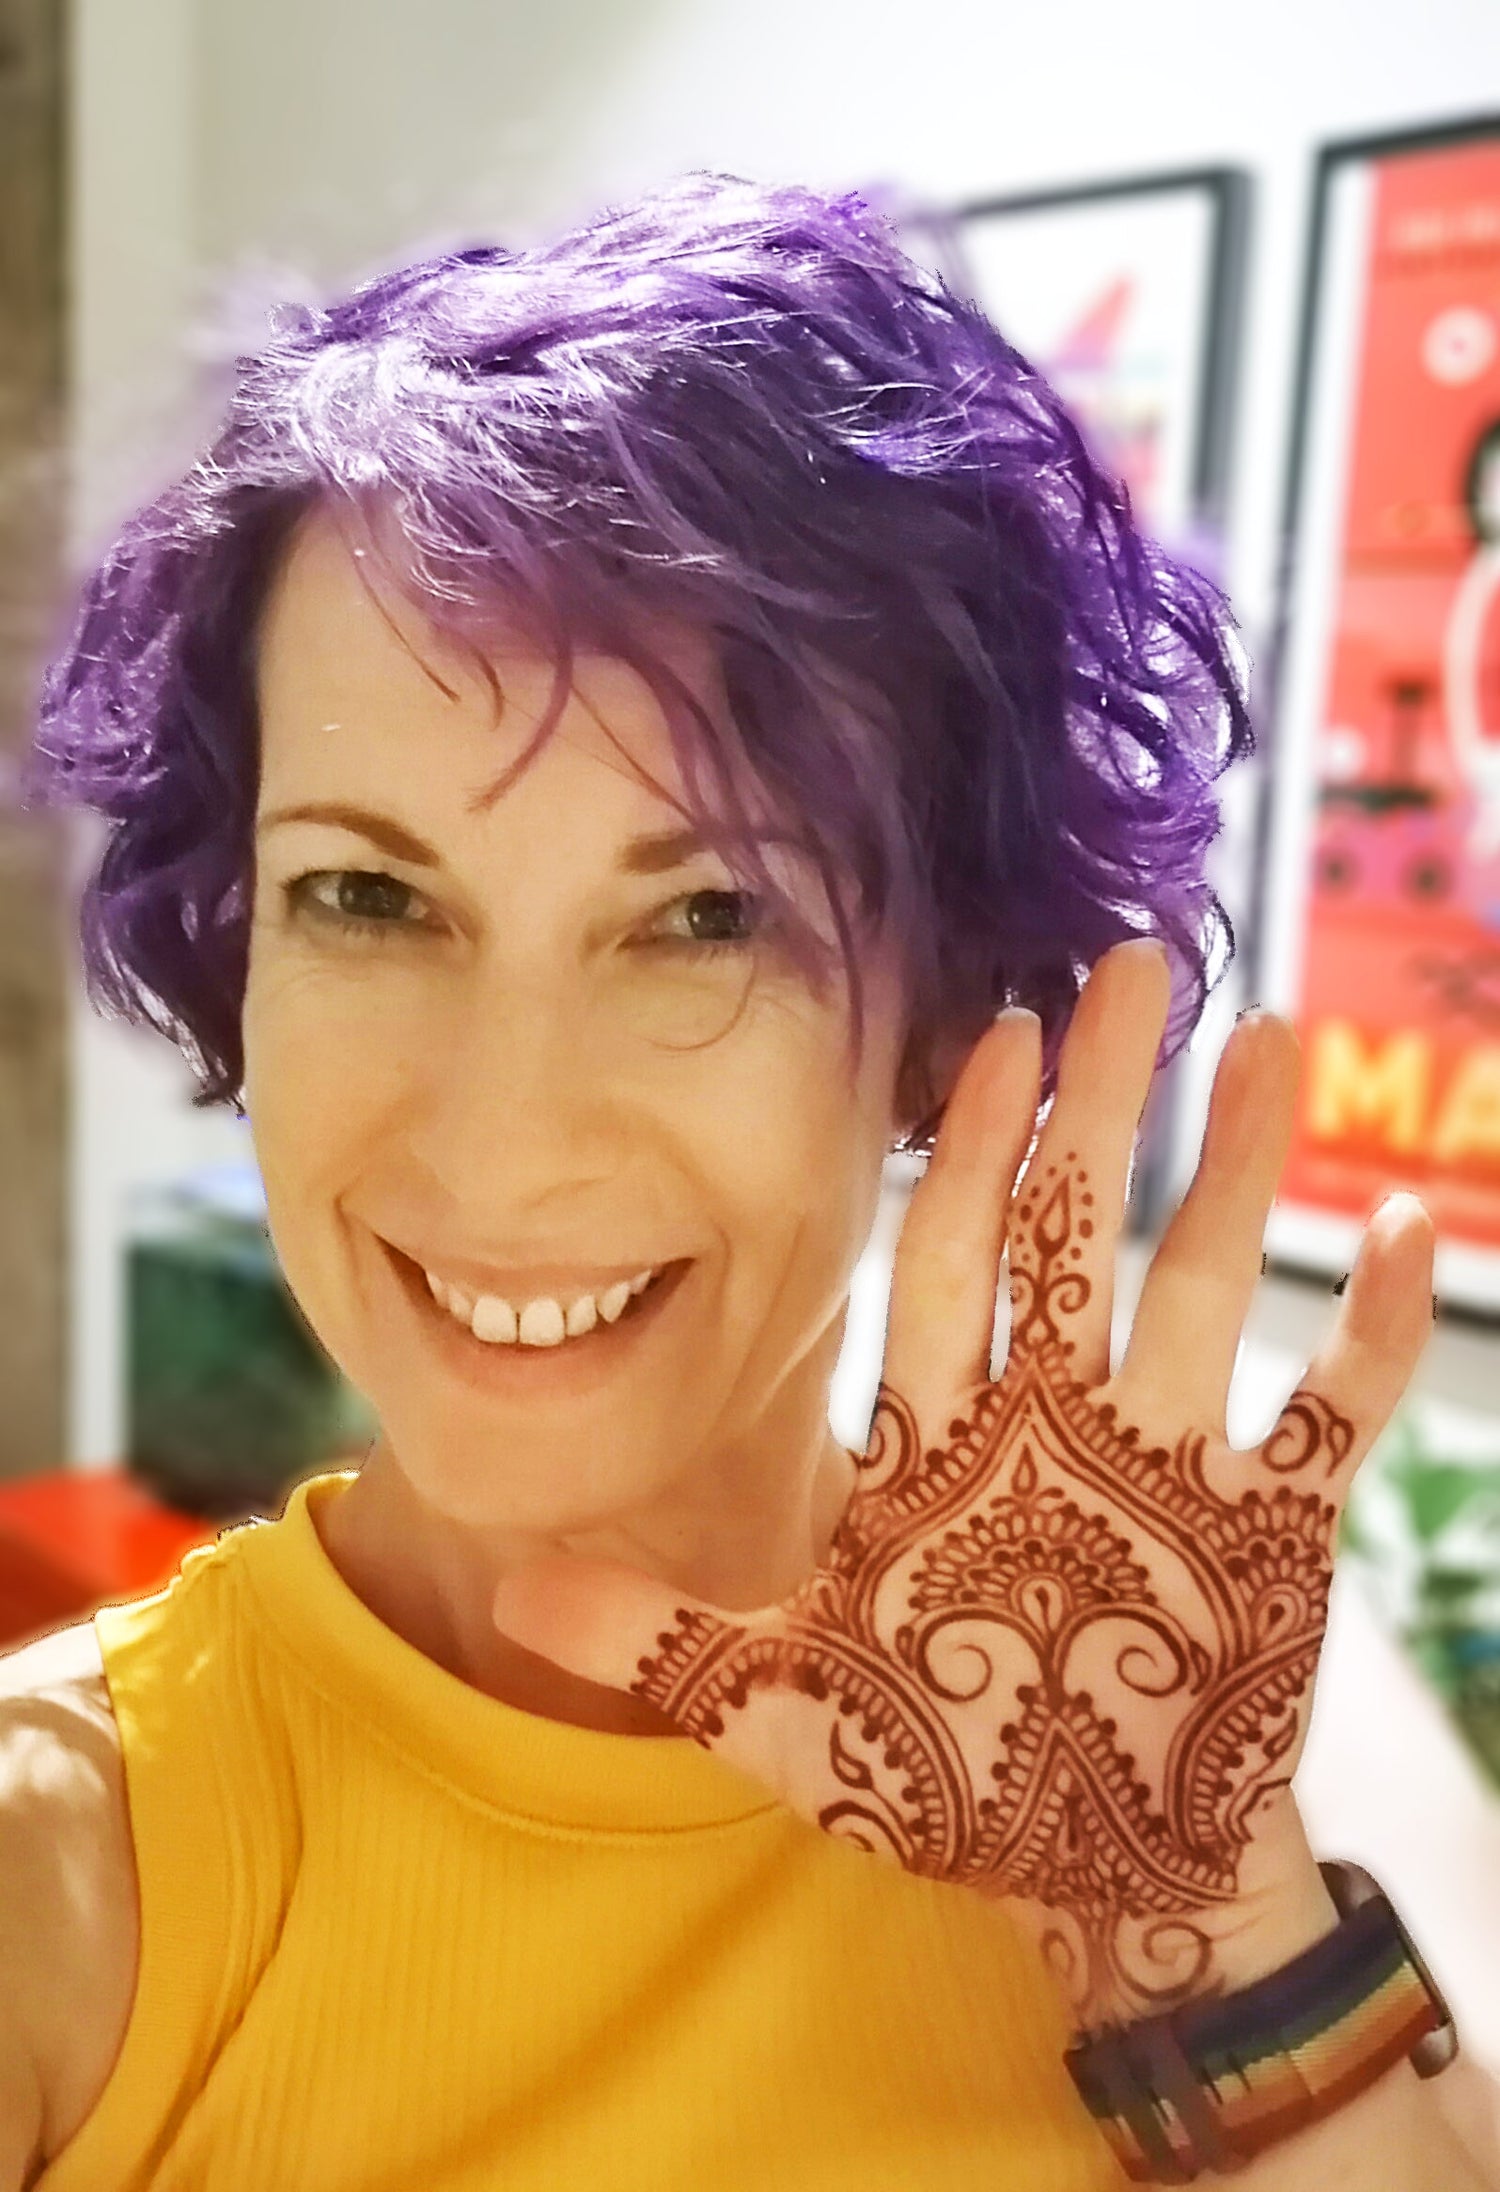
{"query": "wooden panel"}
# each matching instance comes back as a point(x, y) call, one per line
point(34, 956)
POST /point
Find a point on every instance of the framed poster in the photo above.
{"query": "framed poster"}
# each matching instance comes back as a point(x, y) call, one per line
point(1378, 910)
point(1126, 294)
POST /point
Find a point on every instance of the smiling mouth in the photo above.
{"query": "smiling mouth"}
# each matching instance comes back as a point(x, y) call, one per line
point(542, 1320)
point(514, 1363)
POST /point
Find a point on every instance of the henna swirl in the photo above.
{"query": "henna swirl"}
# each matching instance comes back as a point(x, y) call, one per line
point(991, 1611)
point(1308, 1428)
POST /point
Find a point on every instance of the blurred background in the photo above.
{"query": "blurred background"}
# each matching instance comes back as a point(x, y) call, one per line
point(1259, 250)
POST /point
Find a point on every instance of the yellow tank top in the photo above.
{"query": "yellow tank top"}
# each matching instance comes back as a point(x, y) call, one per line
point(399, 1937)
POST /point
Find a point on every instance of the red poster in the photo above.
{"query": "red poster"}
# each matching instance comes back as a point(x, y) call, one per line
point(1398, 992)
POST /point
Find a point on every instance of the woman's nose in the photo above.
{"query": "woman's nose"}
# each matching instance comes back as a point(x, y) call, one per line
point(518, 1083)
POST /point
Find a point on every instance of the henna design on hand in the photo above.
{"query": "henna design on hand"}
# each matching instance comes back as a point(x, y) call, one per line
point(998, 1619)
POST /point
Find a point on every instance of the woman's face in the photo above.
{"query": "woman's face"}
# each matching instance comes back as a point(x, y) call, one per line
point(491, 1079)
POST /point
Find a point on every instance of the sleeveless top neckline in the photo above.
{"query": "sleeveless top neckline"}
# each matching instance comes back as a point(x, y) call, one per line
point(521, 1764)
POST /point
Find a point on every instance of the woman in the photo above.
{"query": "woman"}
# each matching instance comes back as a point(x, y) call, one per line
point(608, 743)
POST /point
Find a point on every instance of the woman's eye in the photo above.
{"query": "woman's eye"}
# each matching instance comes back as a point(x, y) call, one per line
point(353, 899)
point(708, 920)
point(369, 904)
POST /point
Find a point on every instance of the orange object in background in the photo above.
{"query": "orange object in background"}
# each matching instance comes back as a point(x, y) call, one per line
point(72, 1539)
point(1399, 1004)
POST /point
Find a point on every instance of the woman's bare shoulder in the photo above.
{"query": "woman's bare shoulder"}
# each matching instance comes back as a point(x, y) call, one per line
point(68, 1657)
point(71, 1928)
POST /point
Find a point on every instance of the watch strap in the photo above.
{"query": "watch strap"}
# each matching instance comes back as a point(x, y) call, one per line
point(1218, 2080)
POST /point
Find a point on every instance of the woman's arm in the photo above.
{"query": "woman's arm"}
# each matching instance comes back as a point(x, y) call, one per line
point(1398, 2136)
point(1470, 2102)
point(69, 1907)
point(26, 1877)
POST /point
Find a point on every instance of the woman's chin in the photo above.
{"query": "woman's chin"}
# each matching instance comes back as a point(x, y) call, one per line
point(525, 1482)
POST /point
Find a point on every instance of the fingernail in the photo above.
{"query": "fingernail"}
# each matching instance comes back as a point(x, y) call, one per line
point(1340, 1283)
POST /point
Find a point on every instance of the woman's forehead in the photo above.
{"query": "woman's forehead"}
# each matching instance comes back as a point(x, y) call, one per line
point(343, 648)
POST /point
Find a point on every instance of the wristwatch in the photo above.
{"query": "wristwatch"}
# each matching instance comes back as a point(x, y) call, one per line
point(1212, 2084)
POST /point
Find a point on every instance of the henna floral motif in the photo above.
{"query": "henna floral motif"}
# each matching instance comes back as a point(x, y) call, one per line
point(993, 1608)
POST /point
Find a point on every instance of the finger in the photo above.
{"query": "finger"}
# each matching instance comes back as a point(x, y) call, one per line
point(1354, 1382)
point(595, 1618)
point(612, 1625)
point(947, 1268)
point(1202, 1279)
point(1071, 1204)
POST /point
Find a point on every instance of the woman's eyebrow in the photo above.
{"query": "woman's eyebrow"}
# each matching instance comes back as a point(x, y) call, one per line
point(651, 854)
point(379, 828)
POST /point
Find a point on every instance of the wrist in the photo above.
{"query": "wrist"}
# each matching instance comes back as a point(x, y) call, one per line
point(1215, 2080)
point(1283, 1908)
point(1237, 1944)
point(1162, 1961)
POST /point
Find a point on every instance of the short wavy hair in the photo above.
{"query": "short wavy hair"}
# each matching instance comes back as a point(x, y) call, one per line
point(973, 691)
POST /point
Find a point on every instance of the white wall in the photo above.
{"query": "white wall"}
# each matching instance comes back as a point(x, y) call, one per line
point(333, 133)
point(217, 141)
point(132, 191)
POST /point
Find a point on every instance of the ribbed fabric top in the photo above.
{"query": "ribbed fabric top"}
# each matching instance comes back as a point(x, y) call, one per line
point(397, 1936)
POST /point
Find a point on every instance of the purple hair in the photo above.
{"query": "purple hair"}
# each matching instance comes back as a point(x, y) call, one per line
point(967, 685)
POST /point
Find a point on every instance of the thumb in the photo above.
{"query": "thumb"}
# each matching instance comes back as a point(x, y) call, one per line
point(611, 1624)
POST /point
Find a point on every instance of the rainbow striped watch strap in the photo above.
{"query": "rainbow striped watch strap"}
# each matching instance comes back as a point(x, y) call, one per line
point(1212, 2084)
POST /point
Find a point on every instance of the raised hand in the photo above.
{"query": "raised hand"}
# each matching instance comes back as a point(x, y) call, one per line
point(1062, 1647)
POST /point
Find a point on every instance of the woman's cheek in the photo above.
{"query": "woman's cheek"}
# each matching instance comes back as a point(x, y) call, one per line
point(804, 1181)
point(327, 1047)
point(313, 1092)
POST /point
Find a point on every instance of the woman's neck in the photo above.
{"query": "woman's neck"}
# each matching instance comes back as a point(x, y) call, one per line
point(432, 1580)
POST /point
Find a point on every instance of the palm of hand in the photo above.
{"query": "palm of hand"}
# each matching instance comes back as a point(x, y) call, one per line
point(1063, 1644)
point(1045, 1657)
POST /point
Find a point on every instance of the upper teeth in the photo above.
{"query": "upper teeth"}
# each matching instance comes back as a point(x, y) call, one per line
point(540, 1323)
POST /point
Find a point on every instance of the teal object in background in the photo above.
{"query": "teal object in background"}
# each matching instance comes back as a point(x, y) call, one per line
point(231, 1399)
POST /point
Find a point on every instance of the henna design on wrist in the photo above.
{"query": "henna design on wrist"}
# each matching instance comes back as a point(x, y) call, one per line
point(993, 1607)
